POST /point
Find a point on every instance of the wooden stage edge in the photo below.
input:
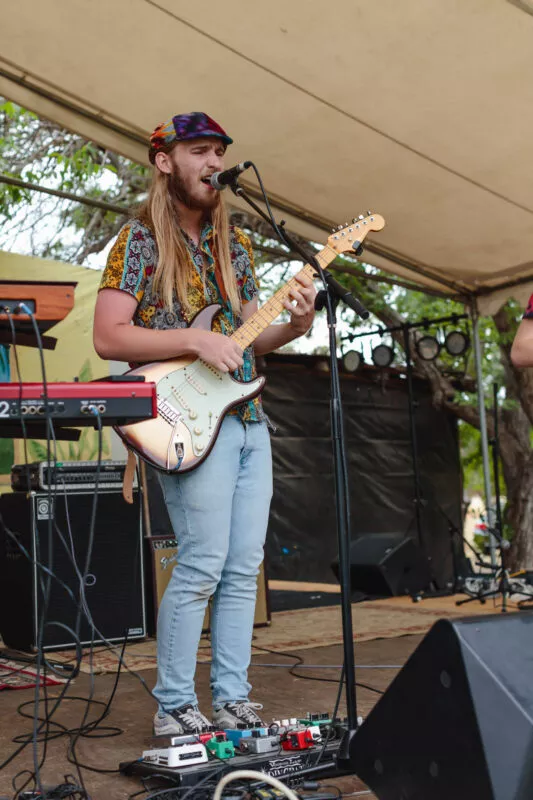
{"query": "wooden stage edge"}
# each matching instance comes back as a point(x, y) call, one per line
point(302, 586)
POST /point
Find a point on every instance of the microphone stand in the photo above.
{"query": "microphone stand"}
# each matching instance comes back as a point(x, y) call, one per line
point(328, 298)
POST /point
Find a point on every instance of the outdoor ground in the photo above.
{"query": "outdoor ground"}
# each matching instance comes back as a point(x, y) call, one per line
point(132, 709)
point(386, 633)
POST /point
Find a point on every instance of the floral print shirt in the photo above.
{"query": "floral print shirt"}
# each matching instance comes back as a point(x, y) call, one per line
point(131, 265)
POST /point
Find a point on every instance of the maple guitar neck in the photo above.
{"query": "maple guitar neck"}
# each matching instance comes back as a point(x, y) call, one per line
point(267, 313)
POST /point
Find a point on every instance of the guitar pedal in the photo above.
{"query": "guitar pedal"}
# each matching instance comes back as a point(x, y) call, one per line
point(203, 738)
point(297, 740)
point(258, 743)
point(220, 747)
point(184, 755)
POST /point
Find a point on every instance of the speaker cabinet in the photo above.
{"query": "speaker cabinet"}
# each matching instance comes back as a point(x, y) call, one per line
point(54, 530)
point(457, 722)
point(161, 560)
point(386, 564)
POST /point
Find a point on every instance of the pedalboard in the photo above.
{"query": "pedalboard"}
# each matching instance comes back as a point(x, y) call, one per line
point(287, 747)
point(284, 765)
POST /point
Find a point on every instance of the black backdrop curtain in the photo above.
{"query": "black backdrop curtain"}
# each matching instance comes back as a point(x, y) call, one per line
point(302, 539)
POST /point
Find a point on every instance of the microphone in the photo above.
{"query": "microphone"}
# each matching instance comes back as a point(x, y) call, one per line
point(219, 180)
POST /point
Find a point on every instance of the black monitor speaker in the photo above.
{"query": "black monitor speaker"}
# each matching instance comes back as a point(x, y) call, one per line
point(457, 721)
point(387, 564)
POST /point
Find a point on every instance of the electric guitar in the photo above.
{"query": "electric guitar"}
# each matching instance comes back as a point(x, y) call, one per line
point(193, 397)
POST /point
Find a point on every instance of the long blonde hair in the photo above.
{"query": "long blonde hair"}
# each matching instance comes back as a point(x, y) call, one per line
point(174, 267)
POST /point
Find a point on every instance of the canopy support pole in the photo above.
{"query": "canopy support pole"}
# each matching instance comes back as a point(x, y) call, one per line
point(483, 429)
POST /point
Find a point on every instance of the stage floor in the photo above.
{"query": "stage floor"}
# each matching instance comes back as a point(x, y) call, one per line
point(132, 710)
point(282, 694)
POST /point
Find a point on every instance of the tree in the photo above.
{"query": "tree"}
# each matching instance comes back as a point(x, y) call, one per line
point(40, 152)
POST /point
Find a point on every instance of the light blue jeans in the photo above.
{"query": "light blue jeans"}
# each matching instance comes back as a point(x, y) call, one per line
point(219, 513)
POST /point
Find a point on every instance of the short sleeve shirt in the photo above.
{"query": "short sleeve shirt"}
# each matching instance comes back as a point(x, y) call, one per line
point(131, 266)
point(528, 313)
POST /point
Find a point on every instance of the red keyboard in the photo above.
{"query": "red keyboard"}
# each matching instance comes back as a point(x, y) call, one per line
point(116, 402)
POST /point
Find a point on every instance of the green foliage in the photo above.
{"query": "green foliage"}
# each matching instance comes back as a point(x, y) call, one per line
point(38, 152)
point(6, 456)
point(472, 463)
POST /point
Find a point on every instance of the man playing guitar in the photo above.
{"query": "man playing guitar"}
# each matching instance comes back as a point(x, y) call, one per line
point(176, 256)
point(522, 349)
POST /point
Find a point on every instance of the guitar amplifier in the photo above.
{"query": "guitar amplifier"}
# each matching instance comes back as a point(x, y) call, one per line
point(68, 476)
point(58, 525)
point(161, 555)
point(161, 559)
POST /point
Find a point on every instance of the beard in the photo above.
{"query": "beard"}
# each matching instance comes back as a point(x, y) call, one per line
point(179, 191)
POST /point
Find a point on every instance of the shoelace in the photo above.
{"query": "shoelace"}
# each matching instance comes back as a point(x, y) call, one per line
point(246, 711)
point(195, 719)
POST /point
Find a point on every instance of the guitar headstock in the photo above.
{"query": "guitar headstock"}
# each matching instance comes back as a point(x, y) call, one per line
point(350, 236)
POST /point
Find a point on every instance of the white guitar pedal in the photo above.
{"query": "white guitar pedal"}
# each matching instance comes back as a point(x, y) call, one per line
point(184, 755)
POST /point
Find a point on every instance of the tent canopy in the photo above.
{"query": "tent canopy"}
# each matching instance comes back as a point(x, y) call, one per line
point(421, 111)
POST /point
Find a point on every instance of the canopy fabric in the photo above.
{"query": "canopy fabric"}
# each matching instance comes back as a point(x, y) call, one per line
point(421, 111)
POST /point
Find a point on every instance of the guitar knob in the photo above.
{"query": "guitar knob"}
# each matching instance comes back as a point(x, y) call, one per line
point(192, 414)
point(198, 448)
point(198, 431)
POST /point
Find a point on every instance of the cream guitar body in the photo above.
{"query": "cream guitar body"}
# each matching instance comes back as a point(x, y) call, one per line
point(193, 397)
point(192, 400)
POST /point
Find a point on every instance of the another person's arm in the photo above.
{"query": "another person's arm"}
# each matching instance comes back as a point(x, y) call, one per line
point(522, 349)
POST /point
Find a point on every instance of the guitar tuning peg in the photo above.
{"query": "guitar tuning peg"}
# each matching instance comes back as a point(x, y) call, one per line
point(339, 228)
point(333, 230)
point(369, 213)
point(361, 216)
point(353, 220)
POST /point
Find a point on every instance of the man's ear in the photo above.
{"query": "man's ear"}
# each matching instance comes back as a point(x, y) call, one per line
point(163, 162)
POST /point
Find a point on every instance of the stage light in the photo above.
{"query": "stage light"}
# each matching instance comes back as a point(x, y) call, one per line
point(352, 361)
point(456, 343)
point(382, 355)
point(427, 348)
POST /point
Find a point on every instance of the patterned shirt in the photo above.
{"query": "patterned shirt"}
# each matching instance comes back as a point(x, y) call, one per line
point(131, 266)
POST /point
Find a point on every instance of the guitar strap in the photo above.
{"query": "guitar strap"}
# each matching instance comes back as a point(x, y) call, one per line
point(129, 474)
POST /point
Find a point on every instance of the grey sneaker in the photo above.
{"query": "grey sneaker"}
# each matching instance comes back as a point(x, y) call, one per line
point(186, 719)
point(231, 715)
